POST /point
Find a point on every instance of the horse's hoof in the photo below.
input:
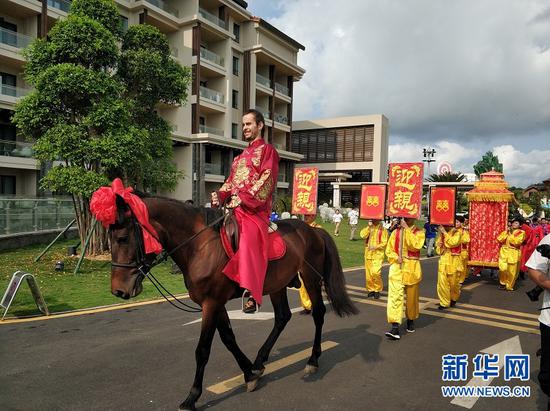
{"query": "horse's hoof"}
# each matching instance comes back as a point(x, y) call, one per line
point(187, 407)
point(251, 385)
point(310, 369)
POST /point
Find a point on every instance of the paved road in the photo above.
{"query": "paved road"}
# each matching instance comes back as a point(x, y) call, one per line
point(142, 358)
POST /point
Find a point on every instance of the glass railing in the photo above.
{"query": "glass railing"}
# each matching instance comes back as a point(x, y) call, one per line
point(63, 5)
point(162, 5)
point(12, 91)
point(282, 89)
point(212, 95)
point(210, 130)
point(210, 168)
point(281, 178)
point(14, 39)
point(212, 18)
point(264, 111)
point(23, 215)
point(279, 118)
point(16, 149)
point(212, 57)
point(264, 81)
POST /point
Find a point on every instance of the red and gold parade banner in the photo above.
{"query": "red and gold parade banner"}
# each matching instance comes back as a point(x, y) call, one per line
point(304, 193)
point(373, 201)
point(405, 192)
point(442, 205)
point(488, 218)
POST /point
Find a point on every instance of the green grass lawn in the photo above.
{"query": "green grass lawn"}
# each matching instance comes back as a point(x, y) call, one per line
point(91, 287)
point(63, 291)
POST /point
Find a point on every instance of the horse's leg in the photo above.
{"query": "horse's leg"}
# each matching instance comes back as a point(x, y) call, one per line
point(210, 313)
point(282, 317)
point(228, 338)
point(313, 287)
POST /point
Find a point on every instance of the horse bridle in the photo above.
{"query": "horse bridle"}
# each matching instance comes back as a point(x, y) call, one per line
point(140, 261)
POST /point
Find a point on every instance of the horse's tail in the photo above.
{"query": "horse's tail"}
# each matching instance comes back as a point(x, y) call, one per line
point(335, 284)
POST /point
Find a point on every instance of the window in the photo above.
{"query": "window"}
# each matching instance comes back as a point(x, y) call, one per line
point(237, 32)
point(8, 84)
point(235, 65)
point(123, 23)
point(6, 36)
point(234, 130)
point(235, 99)
point(7, 184)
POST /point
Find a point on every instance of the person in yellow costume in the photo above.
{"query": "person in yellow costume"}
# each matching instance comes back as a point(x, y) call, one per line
point(464, 251)
point(304, 296)
point(449, 246)
point(403, 252)
point(376, 238)
point(509, 255)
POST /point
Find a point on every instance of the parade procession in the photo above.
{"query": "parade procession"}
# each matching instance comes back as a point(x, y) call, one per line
point(274, 205)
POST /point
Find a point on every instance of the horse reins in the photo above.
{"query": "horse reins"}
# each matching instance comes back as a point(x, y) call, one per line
point(144, 269)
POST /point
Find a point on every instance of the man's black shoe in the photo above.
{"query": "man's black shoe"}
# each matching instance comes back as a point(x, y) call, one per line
point(410, 326)
point(250, 306)
point(440, 307)
point(376, 295)
point(305, 311)
point(393, 334)
point(370, 294)
point(453, 303)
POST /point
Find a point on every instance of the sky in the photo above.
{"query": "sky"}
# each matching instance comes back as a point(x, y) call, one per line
point(463, 77)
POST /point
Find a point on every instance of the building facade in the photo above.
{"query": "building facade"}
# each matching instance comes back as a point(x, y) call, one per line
point(347, 151)
point(238, 61)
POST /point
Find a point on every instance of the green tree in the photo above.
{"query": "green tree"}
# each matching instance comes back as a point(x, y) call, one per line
point(487, 163)
point(447, 176)
point(92, 111)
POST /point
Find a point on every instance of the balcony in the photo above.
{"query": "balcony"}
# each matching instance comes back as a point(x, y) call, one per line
point(212, 18)
point(281, 178)
point(210, 130)
point(279, 118)
point(16, 149)
point(210, 168)
point(264, 81)
point(282, 89)
point(163, 6)
point(212, 57)
point(212, 95)
point(11, 91)
point(264, 111)
point(63, 5)
point(14, 39)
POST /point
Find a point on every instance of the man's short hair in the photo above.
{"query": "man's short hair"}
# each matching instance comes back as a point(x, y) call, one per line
point(459, 218)
point(518, 219)
point(258, 117)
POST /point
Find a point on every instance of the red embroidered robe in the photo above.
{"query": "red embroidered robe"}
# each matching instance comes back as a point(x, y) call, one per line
point(252, 180)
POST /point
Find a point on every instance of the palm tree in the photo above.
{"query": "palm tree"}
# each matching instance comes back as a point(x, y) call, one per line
point(446, 177)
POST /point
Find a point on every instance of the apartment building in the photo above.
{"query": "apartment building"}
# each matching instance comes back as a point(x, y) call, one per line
point(238, 61)
point(347, 151)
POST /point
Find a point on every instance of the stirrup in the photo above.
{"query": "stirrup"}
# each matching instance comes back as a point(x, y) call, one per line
point(248, 295)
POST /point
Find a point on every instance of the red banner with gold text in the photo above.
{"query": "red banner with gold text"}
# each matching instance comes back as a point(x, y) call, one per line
point(304, 193)
point(405, 190)
point(442, 205)
point(373, 201)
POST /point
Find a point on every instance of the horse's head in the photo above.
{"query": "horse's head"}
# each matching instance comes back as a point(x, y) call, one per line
point(129, 261)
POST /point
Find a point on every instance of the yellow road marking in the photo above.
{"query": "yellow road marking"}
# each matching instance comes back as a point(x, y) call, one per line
point(87, 311)
point(237, 381)
point(472, 306)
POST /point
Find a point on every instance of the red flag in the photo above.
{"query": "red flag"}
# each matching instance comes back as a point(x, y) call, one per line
point(405, 190)
point(304, 192)
point(442, 205)
point(373, 201)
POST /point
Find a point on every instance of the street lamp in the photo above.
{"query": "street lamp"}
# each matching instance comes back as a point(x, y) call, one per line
point(429, 154)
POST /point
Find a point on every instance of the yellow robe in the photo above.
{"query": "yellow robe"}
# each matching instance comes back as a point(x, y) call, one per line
point(509, 257)
point(377, 237)
point(448, 246)
point(404, 278)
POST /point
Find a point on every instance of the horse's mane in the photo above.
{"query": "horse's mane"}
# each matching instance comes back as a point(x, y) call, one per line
point(209, 214)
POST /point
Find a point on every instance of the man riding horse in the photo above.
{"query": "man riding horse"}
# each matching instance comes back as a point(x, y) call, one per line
point(248, 191)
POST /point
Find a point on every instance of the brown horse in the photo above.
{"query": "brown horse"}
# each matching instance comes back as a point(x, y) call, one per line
point(310, 251)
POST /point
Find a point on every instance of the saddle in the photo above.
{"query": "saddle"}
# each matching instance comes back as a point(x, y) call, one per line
point(229, 234)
